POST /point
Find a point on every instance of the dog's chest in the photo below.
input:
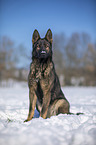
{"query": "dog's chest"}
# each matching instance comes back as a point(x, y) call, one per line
point(42, 71)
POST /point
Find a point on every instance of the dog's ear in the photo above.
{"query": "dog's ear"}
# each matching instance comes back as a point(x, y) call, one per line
point(35, 36)
point(48, 36)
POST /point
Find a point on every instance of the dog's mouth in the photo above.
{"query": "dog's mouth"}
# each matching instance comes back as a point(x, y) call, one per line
point(43, 52)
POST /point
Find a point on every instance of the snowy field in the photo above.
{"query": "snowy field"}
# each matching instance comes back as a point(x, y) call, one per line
point(58, 130)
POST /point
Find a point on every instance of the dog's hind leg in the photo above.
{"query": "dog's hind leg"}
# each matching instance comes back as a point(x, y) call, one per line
point(57, 107)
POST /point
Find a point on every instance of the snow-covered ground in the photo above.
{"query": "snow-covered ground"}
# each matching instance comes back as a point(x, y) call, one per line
point(58, 130)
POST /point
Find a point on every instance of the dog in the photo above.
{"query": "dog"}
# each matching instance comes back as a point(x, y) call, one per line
point(44, 87)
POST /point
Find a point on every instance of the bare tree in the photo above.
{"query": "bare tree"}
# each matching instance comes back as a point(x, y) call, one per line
point(90, 57)
point(6, 51)
point(58, 52)
point(72, 50)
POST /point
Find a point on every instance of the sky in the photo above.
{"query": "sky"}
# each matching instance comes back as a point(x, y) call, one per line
point(19, 18)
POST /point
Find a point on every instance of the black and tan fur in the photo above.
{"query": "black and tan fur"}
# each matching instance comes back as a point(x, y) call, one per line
point(44, 88)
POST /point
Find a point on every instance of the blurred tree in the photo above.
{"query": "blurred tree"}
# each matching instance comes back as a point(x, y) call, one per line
point(6, 51)
point(90, 57)
point(11, 58)
point(85, 40)
point(23, 57)
point(71, 48)
point(58, 44)
point(75, 49)
point(6, 56)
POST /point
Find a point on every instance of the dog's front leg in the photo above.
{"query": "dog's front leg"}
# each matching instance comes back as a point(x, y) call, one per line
point(32, 99)
point(45, 85)
point(45, 105)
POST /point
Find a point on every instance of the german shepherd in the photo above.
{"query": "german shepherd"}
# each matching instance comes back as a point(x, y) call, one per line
point(44, 87)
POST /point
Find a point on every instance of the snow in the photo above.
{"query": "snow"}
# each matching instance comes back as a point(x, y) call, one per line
point(57, 130)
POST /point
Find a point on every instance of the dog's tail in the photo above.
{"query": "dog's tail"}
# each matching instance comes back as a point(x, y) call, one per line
point(79, 113)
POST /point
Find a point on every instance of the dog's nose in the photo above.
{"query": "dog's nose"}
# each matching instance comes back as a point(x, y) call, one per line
point(43, 52)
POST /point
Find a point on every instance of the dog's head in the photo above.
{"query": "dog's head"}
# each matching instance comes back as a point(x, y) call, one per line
point(42, 47)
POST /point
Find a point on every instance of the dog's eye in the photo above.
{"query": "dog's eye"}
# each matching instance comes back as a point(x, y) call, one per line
point(47, 45)
point(47, 48)
point(38, 48)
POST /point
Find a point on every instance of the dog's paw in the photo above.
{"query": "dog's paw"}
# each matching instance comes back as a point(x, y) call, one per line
point(25, 120)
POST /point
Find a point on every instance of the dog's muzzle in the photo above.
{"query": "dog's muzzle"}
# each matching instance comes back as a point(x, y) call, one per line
point(43, 52)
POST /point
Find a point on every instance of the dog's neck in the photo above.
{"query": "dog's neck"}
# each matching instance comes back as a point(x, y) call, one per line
point(42, 61)
point(42, 64)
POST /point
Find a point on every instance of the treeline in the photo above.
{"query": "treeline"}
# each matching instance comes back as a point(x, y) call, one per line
point(74, 58)
point(77, 51)
point(12, 60)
